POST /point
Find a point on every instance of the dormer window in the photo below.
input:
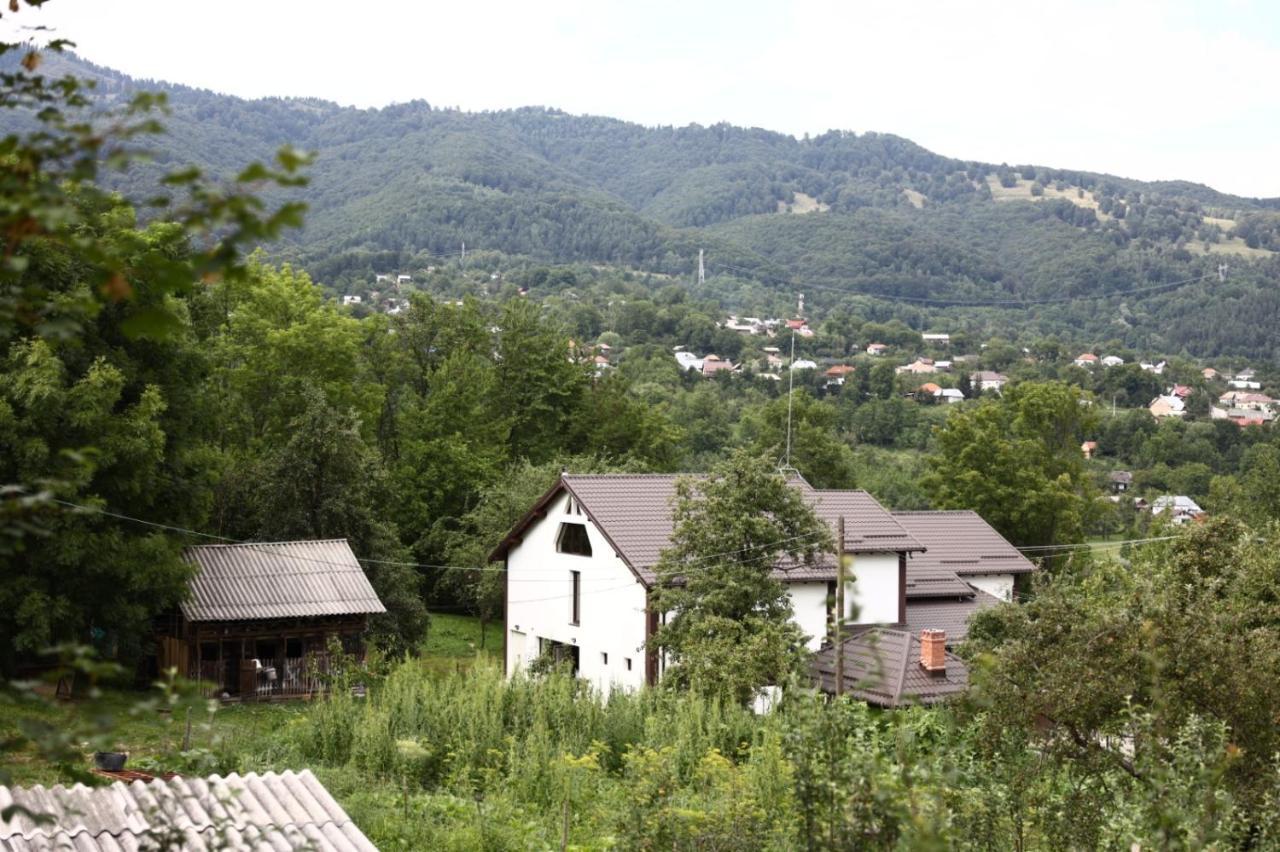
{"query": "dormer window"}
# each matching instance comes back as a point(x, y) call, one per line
point(573, 539)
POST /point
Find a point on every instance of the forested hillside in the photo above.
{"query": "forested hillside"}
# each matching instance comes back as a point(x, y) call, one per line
point(404, 187)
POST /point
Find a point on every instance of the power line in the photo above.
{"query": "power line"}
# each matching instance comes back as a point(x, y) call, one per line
point(1094, 545)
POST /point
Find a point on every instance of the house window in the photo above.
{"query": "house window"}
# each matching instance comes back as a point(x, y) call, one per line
point(576, 609)
point(627, 661)
point(573, 539)
point(604, 657)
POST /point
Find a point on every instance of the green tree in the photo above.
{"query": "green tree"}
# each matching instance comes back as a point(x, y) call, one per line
point(730, 629)
point(1017, 462)
point(325, 482)
point(817, 450)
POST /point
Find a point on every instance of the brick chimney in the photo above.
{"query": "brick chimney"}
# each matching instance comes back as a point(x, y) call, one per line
point(933, 651)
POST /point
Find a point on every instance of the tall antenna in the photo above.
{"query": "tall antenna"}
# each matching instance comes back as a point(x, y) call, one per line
point(791, 383)
point(1222, 271)
point(702, 270)
point(464, 252)
point(800, 308)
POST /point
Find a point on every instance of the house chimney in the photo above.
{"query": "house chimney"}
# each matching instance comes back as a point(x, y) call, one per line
point(933, 651)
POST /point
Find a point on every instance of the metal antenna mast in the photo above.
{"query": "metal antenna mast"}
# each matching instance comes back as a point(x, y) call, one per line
point(702, 270)
point(791, 383)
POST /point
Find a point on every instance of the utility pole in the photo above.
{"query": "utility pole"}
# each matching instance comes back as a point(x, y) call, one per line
point(464, 252)
point(702, 270)
point(839, 620)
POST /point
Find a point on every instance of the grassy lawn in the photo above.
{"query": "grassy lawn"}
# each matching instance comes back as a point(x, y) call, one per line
point(453, 635)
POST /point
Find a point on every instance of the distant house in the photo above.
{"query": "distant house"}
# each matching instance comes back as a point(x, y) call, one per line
point(1167, 406)
point(1088, 448)
point(287, 810)
point(1120, 481)
point(1245, 399)
point(688, 361)
point(838, 373)
point(713, 364)
point(949, 395)
point(800, 327)
point(1209, 373)
point(943, 366)
point(351, 300)
point(382, 279)
point(1149, 367)
point(1087, 359)
point(601, 364)
point(1179, 508)
point(920, 366)
point(877, 348)
point(260, 617)
point(804, 364)
point(405, 279)
point(745, 325)
point(936, 339)
point(1245, 380)
point(1112, 361)
point(985, 380)
point(928, 389)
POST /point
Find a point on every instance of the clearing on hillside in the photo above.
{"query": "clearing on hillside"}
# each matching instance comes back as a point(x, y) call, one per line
point(917, 199)
point(803, 204)
point(1022, 192)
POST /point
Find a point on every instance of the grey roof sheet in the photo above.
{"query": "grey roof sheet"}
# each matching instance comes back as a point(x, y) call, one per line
point(926, 581)
point(277, 580)
point(250, 812)
point(882, 667)
point(960, 542)
point(635, 512)
point(951, 615)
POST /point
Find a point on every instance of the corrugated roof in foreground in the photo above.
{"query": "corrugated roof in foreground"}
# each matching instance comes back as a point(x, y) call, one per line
point(284, 579)
point(251, 812)
point(636, 513)
point(882, 667)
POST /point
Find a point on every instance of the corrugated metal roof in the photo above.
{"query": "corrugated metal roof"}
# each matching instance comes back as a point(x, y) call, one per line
point(882, 667)
point(951, 615)
point(635, 513)
point(250, 812)
point(284, 579)
point(959, 542)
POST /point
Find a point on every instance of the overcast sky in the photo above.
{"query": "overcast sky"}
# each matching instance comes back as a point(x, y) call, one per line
point(1151, 90)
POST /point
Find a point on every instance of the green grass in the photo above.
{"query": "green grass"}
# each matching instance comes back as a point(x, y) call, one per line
point(458, 636)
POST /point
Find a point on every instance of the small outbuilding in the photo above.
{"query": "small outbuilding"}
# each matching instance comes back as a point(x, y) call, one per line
point(261, 617)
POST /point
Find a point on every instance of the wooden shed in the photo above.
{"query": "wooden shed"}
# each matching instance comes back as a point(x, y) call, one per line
point(261, 617)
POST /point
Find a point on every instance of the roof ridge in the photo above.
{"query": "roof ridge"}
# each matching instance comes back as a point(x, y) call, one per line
point(933, 512)
point(268, 543)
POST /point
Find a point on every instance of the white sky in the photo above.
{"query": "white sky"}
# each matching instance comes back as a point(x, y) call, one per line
point(1140, 88)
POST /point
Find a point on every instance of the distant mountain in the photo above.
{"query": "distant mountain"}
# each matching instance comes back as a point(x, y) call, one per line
point(870, 214)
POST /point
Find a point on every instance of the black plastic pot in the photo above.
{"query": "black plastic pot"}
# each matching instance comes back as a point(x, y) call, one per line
point(110, 761)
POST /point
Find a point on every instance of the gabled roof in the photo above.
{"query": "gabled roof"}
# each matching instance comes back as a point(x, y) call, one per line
point(635, 513)
point(285, 579)
point(959, 542)
point(951, 615)
point(268, 811)
point(882, 667)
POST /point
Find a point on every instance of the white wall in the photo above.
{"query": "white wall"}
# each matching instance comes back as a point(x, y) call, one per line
point(999, 585)
point(539, 600)
point(875, 588)
point(871, 596)
point(809, 600)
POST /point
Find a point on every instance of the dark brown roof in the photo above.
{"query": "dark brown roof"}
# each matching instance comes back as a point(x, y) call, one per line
point(926, 581)
point(949, 614)
point(284, 579)
point(635, 513)
point(882, 667)
point(960, 542)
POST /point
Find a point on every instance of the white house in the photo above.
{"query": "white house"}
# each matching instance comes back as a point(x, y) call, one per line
point(804, 364)
point(351, 300)
point(936, 339)
point(985, 380)
point(1087, 359)
point(1181, 509)
point(580, 568)
point(949, 395)
point(688, 361)
point(1112, 361)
